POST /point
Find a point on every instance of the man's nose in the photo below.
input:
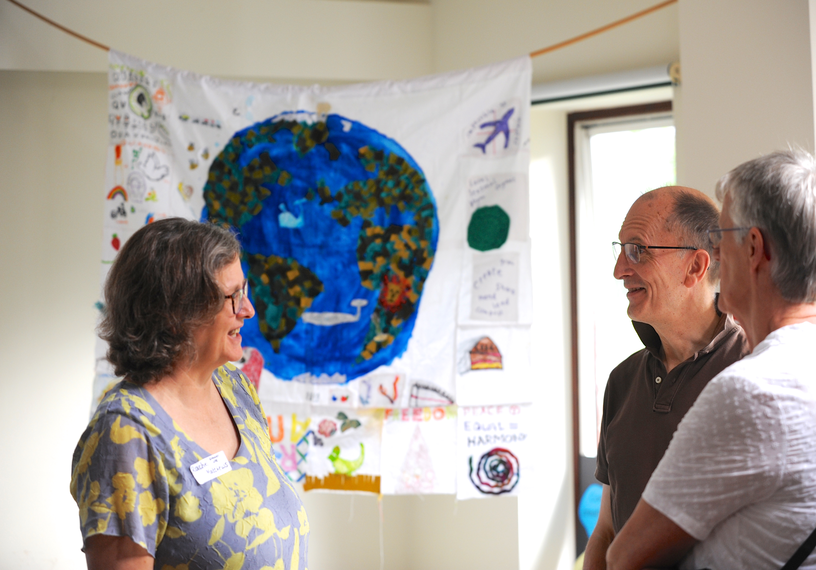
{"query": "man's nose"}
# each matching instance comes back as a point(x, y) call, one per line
point(623, 266)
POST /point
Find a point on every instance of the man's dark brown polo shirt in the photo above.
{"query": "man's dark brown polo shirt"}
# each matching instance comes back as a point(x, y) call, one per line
point(643, 405)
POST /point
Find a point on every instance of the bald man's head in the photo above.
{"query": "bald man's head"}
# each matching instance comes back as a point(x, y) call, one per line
point(692, 214)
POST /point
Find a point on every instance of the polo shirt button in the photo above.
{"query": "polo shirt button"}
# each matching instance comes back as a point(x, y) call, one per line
point(658, 380)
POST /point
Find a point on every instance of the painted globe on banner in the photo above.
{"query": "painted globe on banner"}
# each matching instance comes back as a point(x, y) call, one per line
point(339, 229)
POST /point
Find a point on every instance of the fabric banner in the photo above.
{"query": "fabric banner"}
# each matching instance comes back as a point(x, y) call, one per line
point(384, 229)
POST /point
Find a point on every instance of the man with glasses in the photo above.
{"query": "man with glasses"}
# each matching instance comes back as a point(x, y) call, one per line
point(737, 485)
point(664, 260)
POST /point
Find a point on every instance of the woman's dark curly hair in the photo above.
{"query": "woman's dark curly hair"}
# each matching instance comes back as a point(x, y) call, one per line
point(161, 288)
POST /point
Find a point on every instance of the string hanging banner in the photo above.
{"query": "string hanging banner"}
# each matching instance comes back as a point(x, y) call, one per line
point(536, 53)
point(385, 239)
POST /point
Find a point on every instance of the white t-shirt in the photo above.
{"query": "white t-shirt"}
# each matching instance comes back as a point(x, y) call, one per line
point(740, 472)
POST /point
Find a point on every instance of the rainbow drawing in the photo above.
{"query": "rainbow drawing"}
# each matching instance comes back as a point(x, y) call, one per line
point(120, 191)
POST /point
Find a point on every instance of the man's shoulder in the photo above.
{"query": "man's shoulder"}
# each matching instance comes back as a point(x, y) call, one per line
point(794, 337)
point(779, 362)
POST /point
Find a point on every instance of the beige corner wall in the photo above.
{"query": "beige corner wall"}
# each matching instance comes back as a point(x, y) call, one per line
point(467, 33)
point(339, 40)
point(52, 153)
point(747, 84)
point(283, 40)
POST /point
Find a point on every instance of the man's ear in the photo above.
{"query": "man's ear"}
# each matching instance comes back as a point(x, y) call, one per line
point(697, 268)
point(758, 250)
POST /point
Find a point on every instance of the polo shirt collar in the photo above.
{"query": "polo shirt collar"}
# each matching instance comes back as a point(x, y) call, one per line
point(651, 340)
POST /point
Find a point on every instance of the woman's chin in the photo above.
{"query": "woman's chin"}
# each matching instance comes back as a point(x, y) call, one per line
point(234, 351)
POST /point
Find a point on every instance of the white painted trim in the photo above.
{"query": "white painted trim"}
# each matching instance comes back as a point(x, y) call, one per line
point(599, 84)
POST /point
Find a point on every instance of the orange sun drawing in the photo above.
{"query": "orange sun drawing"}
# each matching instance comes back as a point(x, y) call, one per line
point(394, 292)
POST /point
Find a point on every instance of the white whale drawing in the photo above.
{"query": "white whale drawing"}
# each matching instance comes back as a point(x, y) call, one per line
point(287, 219)
point(328, 319)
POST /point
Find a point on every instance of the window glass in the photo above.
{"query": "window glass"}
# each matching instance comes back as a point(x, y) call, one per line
point(617, 162)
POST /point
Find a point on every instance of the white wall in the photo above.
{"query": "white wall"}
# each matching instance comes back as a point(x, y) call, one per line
point(747, 84)
point(467, 33)
point(52, 152)
point(545, 514)
point(285, 40)
point(338, 40)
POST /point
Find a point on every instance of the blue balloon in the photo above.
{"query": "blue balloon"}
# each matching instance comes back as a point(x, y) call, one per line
point(589, 508)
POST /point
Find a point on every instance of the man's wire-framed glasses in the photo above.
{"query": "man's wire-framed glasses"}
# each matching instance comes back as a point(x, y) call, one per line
point(715, 235)
point(633, 251)
point(238, 297)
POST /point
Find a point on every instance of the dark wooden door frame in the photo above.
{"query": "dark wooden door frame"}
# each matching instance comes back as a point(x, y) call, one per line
point(572, 119)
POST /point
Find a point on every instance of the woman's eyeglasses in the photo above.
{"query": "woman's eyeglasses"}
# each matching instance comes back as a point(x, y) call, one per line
point(238, 297)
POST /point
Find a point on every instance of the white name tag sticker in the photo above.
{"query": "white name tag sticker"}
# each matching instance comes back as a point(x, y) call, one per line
point(210, 467)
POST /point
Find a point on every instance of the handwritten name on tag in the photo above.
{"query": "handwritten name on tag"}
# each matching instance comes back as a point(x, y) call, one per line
point(210, 467)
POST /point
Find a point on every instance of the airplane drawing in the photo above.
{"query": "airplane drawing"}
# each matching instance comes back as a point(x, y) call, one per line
point(501, 126)
point(328, 319)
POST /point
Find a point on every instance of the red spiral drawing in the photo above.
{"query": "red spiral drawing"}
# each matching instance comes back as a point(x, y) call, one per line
point(496, 473)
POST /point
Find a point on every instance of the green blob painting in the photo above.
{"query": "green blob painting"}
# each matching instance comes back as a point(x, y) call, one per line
point(488, 228)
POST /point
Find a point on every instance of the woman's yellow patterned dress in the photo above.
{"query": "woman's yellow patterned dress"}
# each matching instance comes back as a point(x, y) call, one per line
point(131, 477)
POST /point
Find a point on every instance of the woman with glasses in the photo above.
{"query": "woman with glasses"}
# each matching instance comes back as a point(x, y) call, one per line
point(176, 468)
